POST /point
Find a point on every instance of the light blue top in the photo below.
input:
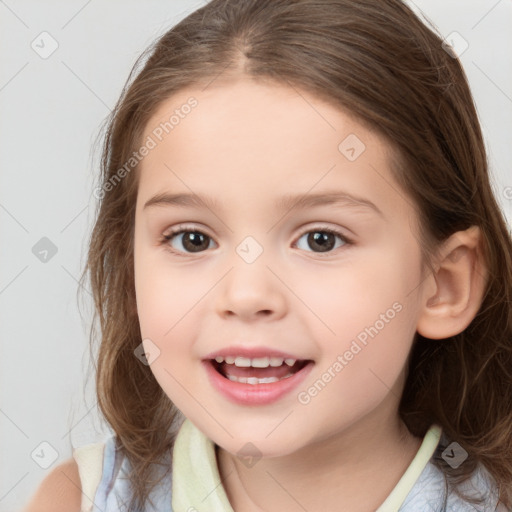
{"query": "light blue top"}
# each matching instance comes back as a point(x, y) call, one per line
point(195, 479)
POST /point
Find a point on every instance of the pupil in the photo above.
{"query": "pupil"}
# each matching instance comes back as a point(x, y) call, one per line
point(195, 240)
point(323, 240)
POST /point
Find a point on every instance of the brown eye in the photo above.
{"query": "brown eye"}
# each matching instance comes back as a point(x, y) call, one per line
point(183, 241)
point(190, 241)
point(323, 239)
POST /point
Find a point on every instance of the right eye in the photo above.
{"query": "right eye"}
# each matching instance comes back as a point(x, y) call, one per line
point(190, 239)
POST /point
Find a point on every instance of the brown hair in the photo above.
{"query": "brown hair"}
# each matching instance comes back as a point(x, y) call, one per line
point(379, 61)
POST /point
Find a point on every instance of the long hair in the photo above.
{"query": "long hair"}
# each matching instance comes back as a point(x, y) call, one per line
point(377, 60)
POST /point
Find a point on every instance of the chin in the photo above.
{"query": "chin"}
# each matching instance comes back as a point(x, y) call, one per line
point(258, 444)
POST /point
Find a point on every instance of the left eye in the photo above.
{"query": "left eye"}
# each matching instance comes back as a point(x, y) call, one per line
point(323, 239)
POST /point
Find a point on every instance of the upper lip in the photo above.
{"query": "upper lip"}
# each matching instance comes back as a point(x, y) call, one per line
point(251, 353)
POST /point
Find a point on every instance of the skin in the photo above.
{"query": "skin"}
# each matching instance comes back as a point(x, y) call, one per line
point(247, 144)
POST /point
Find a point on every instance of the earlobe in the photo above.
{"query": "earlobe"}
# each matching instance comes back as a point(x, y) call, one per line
point(458, 281)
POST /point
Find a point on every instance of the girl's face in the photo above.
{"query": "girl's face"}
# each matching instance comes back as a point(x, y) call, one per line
point(256, 271)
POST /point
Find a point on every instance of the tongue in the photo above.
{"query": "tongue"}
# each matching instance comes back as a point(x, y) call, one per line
point(260, 373)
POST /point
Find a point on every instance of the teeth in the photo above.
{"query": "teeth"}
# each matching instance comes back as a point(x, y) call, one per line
point(255, 380)
point(256, 362)
point(243, 361)
point(260, 362)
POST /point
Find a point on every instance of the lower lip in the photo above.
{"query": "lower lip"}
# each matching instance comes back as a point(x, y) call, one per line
point(255, 394)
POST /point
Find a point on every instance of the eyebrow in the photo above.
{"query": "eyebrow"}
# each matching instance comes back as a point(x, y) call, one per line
point(287, 202)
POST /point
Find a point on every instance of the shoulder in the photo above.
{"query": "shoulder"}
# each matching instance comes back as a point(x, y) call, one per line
point(60, 491)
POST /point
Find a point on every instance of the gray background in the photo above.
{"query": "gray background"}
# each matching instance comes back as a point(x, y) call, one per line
point(51, 111)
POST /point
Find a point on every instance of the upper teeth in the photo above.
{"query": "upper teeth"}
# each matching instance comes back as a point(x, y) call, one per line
point(256, 362)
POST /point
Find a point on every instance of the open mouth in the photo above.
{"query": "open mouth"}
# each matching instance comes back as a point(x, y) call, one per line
point(262, 370)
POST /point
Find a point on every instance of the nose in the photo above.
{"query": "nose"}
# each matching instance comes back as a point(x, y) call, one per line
point(251, 291)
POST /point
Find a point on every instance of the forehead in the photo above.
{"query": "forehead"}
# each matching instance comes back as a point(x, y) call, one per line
point(245, 114)
point(247, 139)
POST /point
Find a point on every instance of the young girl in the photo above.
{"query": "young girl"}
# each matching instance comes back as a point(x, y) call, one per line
point(303, 280)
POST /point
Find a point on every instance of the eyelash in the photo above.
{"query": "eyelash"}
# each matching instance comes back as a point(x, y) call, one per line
point(184, 229)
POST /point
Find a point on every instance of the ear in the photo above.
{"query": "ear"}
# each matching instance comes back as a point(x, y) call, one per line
point(454, 292)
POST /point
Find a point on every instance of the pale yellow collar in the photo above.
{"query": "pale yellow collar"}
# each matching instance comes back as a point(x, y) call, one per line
point(412, 473)
point(196, 481)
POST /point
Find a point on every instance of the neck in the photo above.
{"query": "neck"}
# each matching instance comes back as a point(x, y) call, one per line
point(354, 470)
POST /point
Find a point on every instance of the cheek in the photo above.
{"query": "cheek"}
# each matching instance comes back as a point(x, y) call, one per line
point(163, 293)
point(362, 363)
point(368, 321)
point(167, 311)
point(343, 301)
point(170, 300)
